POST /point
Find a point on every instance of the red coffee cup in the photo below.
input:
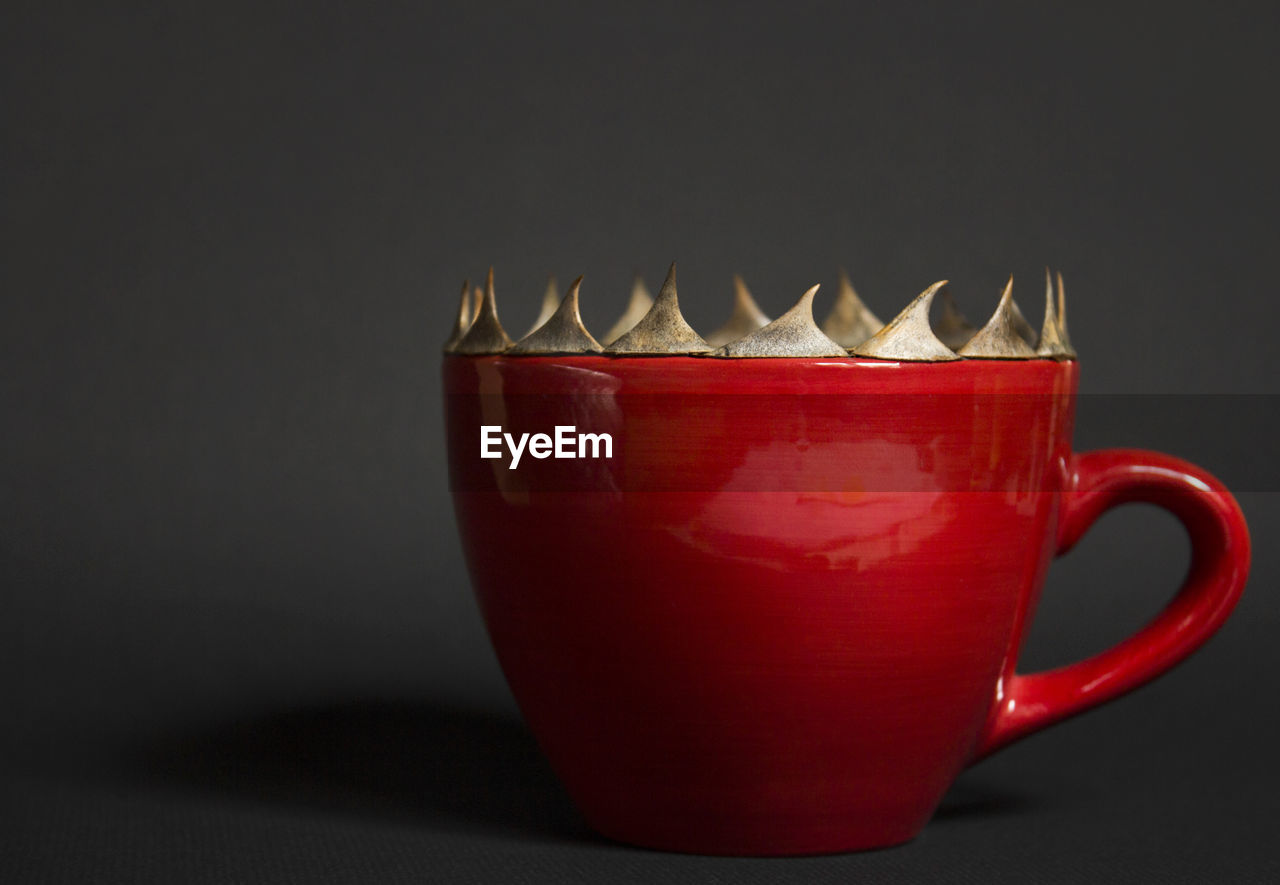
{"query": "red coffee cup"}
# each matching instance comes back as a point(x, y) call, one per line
point(785, 612)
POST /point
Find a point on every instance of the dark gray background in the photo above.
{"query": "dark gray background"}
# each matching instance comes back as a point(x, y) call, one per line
point(238, 642)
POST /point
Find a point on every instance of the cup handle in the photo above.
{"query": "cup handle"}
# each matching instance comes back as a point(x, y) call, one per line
point(1096, 482)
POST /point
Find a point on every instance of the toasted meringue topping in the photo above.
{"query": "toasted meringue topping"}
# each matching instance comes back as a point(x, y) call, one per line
point(550, 301)
point(486, 334)
point(656, 327)
point(952, 327)
point(908, 336)
point(663, 329)
point(637, 306)
point(745, 318)
point(793, 334)
point(1001, 338)
point(1054, 341)
point(563, 332)
point(463, 320)
point(850, 322)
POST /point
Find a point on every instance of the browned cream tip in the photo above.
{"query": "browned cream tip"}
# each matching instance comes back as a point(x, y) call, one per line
point(563, 332)
point(1001, 337)
point(663, 330)
point(486, 335)
point(908, 336)
point(1054, 342)
point(638, 305)
point(850, 321)
point(462, 321)
point(744, 318)
point(550, 301)
point(794, 334)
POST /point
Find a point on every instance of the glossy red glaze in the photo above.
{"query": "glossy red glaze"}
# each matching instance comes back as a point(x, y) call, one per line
point(787, 612)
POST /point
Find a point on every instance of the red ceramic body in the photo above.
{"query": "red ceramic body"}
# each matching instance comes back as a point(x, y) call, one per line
point(787, 611)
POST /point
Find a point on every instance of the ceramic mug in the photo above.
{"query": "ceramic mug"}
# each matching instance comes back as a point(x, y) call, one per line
point(784, 612)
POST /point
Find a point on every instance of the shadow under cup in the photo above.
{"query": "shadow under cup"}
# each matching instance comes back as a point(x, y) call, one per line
point(785, 610)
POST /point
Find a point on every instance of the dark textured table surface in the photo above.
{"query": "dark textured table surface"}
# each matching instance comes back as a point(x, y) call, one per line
point(237, 642)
